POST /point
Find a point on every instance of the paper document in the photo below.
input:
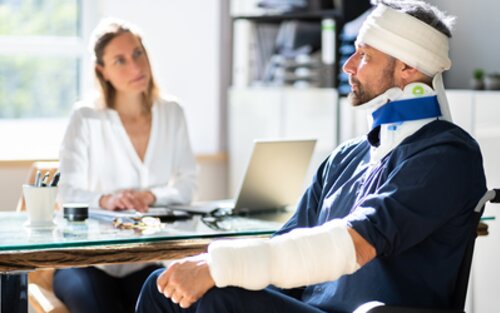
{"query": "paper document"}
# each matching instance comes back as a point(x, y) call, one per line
point(162, 213)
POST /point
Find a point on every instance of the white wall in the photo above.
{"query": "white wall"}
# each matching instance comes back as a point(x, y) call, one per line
point(475, 42)
point(12, 178)
point(184, 43)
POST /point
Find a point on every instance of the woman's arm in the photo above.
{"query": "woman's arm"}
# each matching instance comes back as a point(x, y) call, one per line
point(182, 184)
point(74, 163)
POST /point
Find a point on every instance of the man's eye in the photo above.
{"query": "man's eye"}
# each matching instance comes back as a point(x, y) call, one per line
point(363, 56)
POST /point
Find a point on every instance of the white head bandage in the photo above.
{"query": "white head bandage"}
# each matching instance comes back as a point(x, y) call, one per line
point(412, 41)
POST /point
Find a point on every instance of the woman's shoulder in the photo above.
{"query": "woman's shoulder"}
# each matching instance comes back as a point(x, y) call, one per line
point(168, 103)
point(89, 108)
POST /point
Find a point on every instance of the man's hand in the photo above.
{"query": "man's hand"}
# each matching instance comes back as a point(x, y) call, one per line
point(127, 200)
point(186, 280)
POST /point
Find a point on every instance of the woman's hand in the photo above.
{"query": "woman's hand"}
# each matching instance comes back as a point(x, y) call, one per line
point(127, 200)
point(187, 280)
point(143, 199)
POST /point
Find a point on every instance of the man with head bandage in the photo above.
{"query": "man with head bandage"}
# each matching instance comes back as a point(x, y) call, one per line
point(386, 217)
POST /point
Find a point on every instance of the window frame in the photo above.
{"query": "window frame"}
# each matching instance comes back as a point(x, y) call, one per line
point(25, 134)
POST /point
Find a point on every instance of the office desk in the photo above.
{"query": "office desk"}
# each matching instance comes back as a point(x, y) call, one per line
point(98, 242)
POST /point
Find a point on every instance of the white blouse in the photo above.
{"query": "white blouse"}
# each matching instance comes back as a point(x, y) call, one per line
point(97, 158)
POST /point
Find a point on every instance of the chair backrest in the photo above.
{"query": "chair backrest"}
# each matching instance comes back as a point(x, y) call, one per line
point(460, 293)
point(43, 167)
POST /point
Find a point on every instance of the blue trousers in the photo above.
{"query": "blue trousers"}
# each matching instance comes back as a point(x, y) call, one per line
point(223, 300)
point(86, 290)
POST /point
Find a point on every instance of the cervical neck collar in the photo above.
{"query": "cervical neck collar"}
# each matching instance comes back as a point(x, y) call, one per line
point(399, 105)
point(399, 113)
point(406, 110)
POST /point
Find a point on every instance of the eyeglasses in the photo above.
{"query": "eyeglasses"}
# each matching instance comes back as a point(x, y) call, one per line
point(217, 218)
point(225, 220)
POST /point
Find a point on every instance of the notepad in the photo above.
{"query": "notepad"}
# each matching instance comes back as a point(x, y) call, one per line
point(163, 213)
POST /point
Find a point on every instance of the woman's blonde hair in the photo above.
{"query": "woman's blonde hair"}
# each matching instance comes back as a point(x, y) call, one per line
point(107, 30)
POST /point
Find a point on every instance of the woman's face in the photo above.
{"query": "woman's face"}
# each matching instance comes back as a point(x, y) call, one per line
point(126, 65)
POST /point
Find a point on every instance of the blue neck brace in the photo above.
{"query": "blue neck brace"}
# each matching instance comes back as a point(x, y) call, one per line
point(406, 110)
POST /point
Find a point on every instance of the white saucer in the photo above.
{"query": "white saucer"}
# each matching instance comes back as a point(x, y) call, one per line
point(40, 225)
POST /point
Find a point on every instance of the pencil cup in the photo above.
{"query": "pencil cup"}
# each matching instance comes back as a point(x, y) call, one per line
point(40, 204)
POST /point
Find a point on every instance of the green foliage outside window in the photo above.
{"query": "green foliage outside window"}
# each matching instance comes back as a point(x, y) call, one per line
point(37, 87)
point(39, 17)
point(42, 85)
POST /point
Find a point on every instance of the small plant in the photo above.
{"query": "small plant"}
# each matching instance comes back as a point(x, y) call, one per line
point(477, 80)
point(478, 74)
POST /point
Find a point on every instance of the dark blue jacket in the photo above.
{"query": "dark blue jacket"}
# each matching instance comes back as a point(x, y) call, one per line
point(415, 207)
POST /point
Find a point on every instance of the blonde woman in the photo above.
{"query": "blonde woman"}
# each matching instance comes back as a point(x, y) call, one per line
point(128, 149)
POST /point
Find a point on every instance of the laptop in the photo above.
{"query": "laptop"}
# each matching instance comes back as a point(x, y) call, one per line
point(274, 179)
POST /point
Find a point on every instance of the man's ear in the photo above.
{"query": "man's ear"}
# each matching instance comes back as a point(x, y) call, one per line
point(407, 74)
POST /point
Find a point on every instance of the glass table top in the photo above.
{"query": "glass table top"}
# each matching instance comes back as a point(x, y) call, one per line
point(92, 232)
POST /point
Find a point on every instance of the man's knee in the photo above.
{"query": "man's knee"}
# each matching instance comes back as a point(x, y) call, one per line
point(149, 288)
point(221, 300)
point(150, 283)
point(150, 298)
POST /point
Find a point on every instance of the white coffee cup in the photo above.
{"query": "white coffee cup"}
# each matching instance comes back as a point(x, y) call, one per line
point(40, 204)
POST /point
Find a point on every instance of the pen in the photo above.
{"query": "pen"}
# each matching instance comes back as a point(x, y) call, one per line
point(45, 179)
point(38, 176)
point(55, 179)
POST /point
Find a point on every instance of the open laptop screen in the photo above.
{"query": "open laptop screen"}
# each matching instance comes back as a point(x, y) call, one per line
point(275, 174)
point(274, 178)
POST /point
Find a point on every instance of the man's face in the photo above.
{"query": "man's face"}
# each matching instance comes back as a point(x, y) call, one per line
point(371, 73)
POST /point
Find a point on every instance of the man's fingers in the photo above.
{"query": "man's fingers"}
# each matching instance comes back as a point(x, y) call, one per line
point(176, 297)
point(185, 281)
point(168, 292)
point(186, 302)
point(162, 281)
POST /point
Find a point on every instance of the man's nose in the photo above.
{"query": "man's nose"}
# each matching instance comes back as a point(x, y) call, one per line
point(350, 65)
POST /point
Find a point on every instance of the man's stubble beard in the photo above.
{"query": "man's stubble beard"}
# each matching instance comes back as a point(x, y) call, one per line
point(362, 96)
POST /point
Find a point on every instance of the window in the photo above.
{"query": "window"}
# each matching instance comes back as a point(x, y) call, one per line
point(37, 86)
point(41, 55)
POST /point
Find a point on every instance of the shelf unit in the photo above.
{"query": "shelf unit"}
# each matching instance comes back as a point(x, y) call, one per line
point(272, 112)
point(344, 11)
